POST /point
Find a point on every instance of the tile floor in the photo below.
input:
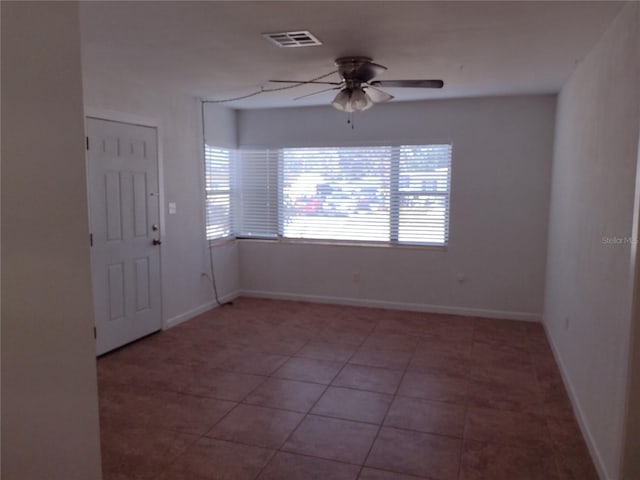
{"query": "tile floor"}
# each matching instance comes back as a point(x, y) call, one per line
point(275, 390)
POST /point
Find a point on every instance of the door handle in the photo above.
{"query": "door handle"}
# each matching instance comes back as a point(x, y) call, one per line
point(156, 242)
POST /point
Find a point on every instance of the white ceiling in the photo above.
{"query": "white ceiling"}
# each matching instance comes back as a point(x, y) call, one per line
point(215, 49)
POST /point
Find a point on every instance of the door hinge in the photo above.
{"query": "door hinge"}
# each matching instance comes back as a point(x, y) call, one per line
point(91, 239)
point(87, 142)
point(95, 332)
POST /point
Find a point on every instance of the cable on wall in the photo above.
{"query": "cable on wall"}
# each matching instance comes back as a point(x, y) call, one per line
point(213, 279)
point(249, 95)
point(209, 248)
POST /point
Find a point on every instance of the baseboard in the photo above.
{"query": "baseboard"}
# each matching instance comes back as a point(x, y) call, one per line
point(194, 312)
point(577, 411)
point(414, 307)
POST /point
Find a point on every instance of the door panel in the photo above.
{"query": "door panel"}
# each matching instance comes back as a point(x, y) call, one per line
point(123, 202)
point(114, 207)
point(140, 204)
point(142, 284)
point(115, 274)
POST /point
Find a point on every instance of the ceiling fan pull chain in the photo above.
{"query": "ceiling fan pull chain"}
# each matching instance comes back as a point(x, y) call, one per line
point(350, 119)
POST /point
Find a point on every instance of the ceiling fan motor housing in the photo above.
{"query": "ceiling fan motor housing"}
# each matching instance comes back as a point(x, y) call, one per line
point(357, 70)
point(348, 66)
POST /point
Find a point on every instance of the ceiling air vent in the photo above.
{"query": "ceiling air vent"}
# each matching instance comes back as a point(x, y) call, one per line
point(301, 38)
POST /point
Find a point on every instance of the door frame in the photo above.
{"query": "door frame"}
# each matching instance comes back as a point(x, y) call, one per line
point(132, 119)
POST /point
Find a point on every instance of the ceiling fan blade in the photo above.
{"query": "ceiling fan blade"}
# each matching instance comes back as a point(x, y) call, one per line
point(368, 71)
point(409, 83)
point(302, 82)
point(376, 95)
point(316, 93)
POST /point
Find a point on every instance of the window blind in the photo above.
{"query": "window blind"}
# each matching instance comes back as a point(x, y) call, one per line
point(396, 194)
point(257, 197)
point(336, 193)
point(424, 178)
point(217, 162)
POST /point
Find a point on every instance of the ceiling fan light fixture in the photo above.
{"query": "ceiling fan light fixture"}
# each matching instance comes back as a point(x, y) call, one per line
point(360, 101)
point(377, 95)
point(342, 101)
point(352, 100)
point(358, 89)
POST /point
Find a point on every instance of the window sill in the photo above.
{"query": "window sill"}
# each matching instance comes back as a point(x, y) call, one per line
point(346, 243)
point(218, 242)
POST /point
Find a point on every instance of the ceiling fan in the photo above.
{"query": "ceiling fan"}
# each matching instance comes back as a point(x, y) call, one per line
point(358, 89)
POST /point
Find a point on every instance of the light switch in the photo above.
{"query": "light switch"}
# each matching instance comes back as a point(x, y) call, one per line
point(172, 208)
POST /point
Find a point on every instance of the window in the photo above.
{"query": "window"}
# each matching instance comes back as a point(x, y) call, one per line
point(336, 193)
point(257, 199)
point(424, 176)
point(217, 162)
point(396, 194)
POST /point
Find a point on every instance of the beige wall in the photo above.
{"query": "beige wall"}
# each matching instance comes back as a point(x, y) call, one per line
point(49, 394)
point(588, 287)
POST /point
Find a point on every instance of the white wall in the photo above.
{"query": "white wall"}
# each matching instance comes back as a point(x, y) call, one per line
point(502, 149)
point(588, 282)
point(49, 390)
point(220, 126)
point(186, 291)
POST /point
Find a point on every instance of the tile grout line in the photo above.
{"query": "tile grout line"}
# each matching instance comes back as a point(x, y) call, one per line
point(393, 399)
point(466, 408)
point(377, 328)
point(204, 435)
point(556, 455)
point(314, 404)
point(394, 396)
point(266, 379)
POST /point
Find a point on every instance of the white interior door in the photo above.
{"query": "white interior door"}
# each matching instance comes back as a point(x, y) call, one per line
point(124, 216)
